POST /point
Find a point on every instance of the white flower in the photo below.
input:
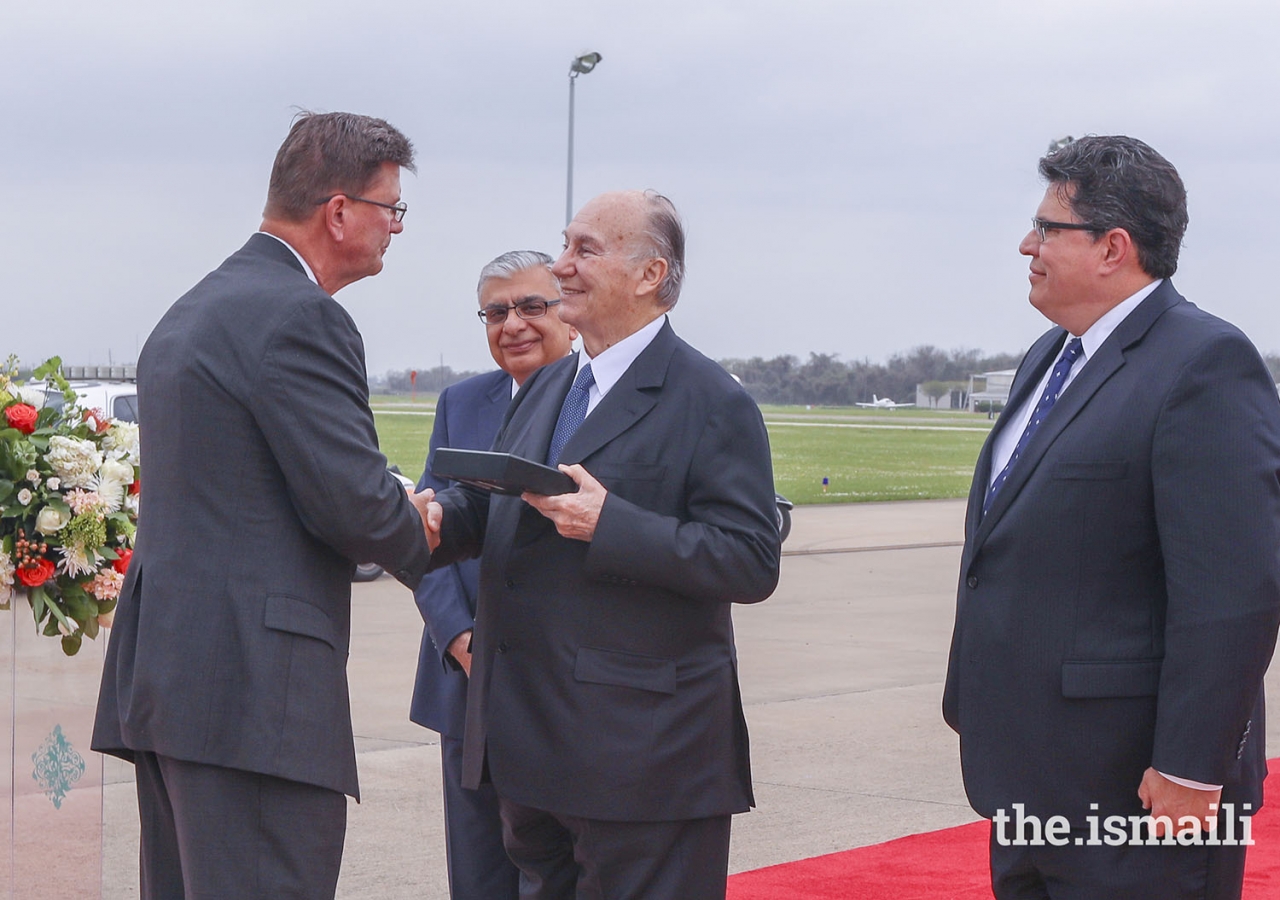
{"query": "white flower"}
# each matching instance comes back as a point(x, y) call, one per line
point(121, 441)
point(131, 504)
point(53, 483)
point(50, 521)
point(24, 496)
point(76, 561)
point(6, 578)
point(33, 476)
point(29, 394)
point(113, 479)
point(75, 461)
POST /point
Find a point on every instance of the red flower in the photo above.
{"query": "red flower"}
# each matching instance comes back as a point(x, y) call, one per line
point(22, 416)
point(121, 565)
point(97, 420)
point(35, 573)
point(136, 487)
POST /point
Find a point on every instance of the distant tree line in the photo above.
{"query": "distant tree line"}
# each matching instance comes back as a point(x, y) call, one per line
point(433, 380)
point(824, 380)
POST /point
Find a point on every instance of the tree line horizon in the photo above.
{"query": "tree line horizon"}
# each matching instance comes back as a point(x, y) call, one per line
point(821, 380)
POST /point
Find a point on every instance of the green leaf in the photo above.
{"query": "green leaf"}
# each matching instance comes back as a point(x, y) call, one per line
point(108, 553)
point(71, 644)
point(51, 628)
point(91, 627)
point(39, 600)
point(50, 366)
point(40, 443)
point(60, 616)
point(6, 489)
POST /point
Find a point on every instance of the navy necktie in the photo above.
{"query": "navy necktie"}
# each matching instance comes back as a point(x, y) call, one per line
point(1057, 381)
point(572, 413)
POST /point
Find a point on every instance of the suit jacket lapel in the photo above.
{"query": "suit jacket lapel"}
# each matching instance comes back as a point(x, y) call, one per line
point(1099, 368)
point(627, 401)
point(531, 419)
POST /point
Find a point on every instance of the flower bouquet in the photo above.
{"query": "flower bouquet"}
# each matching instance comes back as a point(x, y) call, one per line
point(68, 504)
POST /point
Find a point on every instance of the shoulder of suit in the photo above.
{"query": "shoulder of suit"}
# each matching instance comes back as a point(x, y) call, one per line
point(477, 385)
point(264, 272)
point(687, 360)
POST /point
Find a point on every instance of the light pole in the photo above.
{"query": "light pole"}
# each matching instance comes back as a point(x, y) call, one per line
point(580, 66)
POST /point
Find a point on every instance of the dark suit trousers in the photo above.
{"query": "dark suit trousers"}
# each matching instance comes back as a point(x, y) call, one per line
point(1116, 873)
point(210, 833)
point(569, 858)
point(479, 868)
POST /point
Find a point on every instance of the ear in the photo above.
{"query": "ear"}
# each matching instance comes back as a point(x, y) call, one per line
point(651, 276)
point(573, 333)
point(335, 217)
point(1117, 251)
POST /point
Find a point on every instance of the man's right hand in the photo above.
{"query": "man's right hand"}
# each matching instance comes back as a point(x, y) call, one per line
point(460, 649)
point(431, 513)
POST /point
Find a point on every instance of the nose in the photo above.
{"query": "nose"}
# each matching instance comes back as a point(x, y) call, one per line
point(396, 227)
point(562, 266)
point(1030, 245)
point(513, 324)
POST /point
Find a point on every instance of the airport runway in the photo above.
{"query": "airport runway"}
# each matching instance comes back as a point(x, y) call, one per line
point(841, 674)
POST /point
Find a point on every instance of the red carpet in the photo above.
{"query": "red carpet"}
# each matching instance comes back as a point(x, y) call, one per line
point(951, 864)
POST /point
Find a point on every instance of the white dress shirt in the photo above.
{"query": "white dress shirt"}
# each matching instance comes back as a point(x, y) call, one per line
point(608, 367)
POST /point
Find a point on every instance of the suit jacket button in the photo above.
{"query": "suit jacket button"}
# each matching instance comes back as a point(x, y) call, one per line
point(502, 646)
point(511, 583)
point(972, 581)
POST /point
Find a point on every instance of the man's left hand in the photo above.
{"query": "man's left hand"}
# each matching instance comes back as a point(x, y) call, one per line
point(1166, 798)
point(575, 515)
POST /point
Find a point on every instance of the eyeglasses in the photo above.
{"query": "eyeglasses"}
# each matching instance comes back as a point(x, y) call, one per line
point(397, 209)
point(1040, 226)
point(528, 308)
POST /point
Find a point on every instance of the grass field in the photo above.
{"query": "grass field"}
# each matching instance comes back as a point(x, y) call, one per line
point(865, 454)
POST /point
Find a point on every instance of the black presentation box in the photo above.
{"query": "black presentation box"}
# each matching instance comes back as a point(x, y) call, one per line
point(500, 473)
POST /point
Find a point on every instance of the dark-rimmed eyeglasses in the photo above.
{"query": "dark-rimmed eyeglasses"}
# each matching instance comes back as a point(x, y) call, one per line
point(1040, 226)
point(528, 308)
point(397, 209)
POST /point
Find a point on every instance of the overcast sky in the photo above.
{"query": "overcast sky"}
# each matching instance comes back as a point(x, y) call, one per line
point(854, 177)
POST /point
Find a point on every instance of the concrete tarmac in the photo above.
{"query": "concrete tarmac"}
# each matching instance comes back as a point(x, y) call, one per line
point(841, 674)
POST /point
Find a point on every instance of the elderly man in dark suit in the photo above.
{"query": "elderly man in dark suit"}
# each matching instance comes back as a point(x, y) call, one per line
point(1120, 584)
point(604, 703)
point(519, 300)
point(225, 679)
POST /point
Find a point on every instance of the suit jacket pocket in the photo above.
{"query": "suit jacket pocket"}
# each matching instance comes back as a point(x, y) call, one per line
point(1111, 678)
point(607, 471)
point(613, 667)
point(300, 617)
point(1091, 470)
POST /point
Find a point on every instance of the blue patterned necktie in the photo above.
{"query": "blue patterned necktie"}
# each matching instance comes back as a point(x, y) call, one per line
point(571, 414)
point(1057, 380)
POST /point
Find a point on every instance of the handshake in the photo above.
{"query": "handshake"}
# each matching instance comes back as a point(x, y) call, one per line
point(432, 514)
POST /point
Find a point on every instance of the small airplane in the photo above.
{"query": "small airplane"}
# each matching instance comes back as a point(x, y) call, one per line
point(886, 403)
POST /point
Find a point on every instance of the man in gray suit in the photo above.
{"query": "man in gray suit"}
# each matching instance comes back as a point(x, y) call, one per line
point(225, 678)
point(604, 703)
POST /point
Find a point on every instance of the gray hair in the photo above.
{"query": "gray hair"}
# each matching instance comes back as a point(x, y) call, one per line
point(663, 238)
point(513, 262)
point(331, 153)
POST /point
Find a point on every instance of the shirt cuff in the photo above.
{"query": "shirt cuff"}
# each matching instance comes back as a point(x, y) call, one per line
point(1187, 782)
